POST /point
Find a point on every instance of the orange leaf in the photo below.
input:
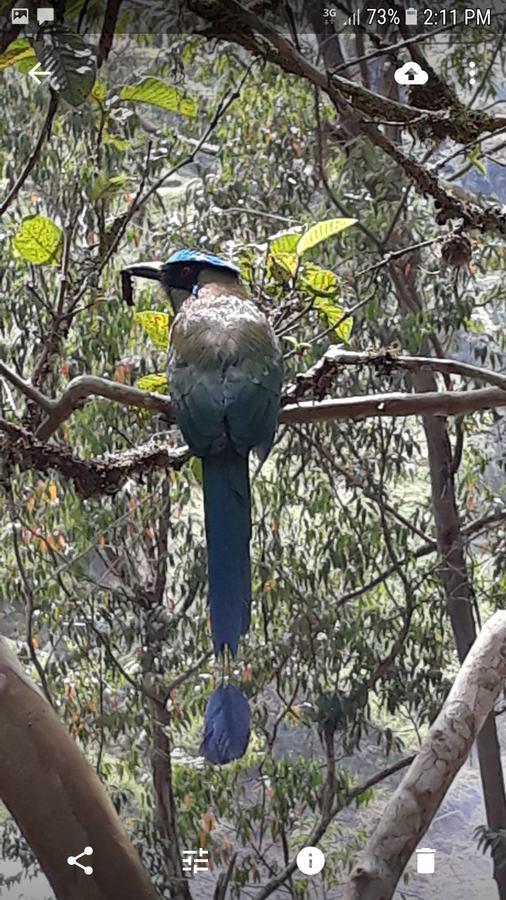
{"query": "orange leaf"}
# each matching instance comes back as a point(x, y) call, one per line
point(247, 672)
point(53, 493)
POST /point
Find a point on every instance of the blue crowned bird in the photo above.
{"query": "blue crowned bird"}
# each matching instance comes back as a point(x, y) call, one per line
point(225, 372)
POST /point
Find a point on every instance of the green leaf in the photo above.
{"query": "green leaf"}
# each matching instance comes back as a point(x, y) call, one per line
point(99, 91)
point(70, 61)
point(282, 266)
point(104, 186)
point(120, 143)
point(285, 241)
point(39, 241)
point(333, 313)
point(475, 158)
point(196, 468)
point(320, 232)
point(17, 52)
point(158, 93)
point(156, 382)
point(317, 280)
point(156, 326)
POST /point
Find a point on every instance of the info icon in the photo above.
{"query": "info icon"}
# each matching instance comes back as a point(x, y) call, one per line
point(310, 860)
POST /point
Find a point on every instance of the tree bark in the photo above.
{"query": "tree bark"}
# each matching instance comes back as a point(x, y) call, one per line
point(412, 807)
point(454, 576)
point(57, 800)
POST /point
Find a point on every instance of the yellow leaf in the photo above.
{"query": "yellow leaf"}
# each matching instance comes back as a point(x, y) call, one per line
point(156, 326)
point(53, 493)
point(321, 232)
point(157, 382)
point(335, 315)
point(282, 266)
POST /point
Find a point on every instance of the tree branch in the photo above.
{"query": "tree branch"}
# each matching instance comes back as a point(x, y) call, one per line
point(93, 477)
point(446, 747)
point(356, 103)
point(32, 159)
point(434, 403)
point(316, 381)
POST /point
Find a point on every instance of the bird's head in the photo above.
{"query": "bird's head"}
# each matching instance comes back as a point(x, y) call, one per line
point(182, 274)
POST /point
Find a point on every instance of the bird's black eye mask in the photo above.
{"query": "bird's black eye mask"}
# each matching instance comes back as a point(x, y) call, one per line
point(181, 277)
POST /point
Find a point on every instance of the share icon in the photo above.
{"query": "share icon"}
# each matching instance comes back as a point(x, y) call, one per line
point(72, 861)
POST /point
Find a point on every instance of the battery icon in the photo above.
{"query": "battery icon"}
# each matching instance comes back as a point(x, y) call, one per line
point(411, 16)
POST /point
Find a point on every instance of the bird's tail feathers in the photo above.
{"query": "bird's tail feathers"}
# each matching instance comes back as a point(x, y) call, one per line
point(228, 528)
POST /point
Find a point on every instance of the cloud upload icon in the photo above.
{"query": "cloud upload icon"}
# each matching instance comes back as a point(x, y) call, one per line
point(411, 73)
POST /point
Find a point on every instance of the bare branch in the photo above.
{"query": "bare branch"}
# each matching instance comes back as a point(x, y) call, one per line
point(91, 477)
point(27, 389)
point(85, 386)
point(32, 159)
point(433, 403)
point(446, 747)
point(316, 381)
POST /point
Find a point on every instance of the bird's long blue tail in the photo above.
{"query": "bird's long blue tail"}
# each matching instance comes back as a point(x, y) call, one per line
point(227, 506)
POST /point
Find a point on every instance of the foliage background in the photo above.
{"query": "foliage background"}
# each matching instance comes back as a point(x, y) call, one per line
point(351, 652)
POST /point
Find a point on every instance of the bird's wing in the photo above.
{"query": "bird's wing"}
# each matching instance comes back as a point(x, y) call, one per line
point(198, 399)
point(252, 388)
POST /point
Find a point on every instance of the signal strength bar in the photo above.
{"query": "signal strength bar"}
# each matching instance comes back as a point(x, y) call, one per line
point(354, 19)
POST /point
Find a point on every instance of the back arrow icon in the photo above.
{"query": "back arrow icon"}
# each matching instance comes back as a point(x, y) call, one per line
point(37, 73)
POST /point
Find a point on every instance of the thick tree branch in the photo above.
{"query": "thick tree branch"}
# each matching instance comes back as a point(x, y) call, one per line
point(317, 380)
point(316, 383)
point(444, 403)
point(93, 477)
point(79, 389)
point(63, 785)
point(446, 747)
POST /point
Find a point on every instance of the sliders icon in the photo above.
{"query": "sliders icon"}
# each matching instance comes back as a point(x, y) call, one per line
point(72, 861)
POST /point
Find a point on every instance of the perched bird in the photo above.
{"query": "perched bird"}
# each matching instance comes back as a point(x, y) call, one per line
point(225, 373)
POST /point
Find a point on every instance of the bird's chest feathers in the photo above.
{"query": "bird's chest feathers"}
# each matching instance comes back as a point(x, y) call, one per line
point(217, 329)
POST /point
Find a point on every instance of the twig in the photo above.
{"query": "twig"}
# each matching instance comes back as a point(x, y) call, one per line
point(32, 159)
point(108, 29)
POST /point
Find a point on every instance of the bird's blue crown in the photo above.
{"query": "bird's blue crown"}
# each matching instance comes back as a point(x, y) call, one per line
point(201, 256)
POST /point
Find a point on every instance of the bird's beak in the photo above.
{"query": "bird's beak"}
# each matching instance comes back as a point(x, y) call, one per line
point(151, 270)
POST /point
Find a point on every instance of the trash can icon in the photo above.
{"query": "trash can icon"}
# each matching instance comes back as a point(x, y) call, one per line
point(411, 16)
point(426, 861)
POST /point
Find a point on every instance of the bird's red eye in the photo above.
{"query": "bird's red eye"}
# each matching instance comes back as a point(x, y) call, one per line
point(185, 271)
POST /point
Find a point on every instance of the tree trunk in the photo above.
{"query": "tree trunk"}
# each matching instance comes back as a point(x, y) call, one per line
point(162, 782)
point(57, 800)
point(412, 807)
point(453, 572)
